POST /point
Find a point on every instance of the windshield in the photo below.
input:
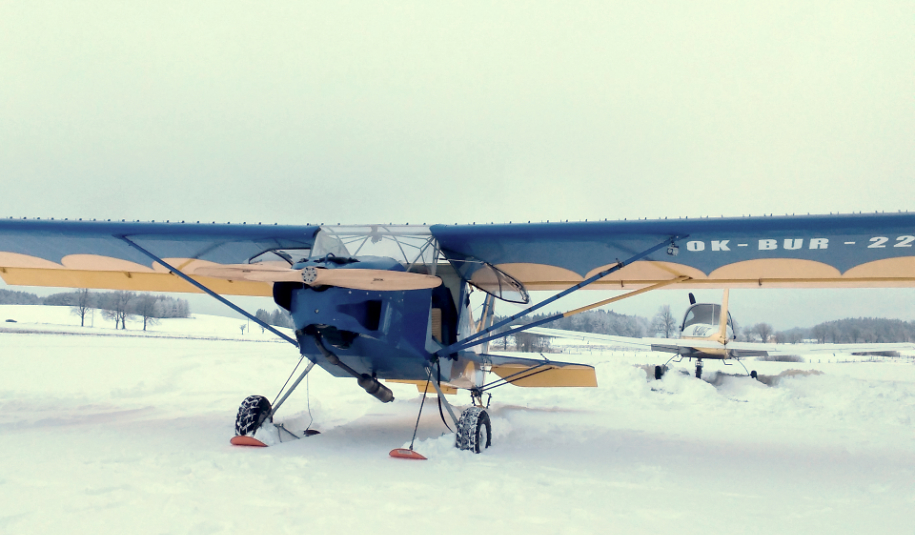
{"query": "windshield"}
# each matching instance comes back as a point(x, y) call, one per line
point(491, 280)
point(706, 314)
point(412, 246)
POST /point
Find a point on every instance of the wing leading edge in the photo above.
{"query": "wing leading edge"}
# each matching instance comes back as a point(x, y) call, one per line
point(871, 250)
point(79, 254)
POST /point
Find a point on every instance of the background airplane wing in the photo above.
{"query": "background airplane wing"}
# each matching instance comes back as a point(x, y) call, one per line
point(862, 250)
point(88, 254)
point(740, 349)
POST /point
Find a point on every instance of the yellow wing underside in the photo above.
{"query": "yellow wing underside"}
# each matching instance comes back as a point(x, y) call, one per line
point(104, 273)
point(551, 376)
point(98, 272)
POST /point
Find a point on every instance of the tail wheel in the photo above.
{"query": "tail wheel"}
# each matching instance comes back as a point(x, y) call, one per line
point(474, 430)
point(252, 414)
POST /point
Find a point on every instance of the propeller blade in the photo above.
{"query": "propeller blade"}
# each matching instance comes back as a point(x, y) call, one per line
point(250, 272)
point(354, 279)
point(369, 279)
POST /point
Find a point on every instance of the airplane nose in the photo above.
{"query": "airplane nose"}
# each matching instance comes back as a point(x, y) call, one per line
point(309, 275)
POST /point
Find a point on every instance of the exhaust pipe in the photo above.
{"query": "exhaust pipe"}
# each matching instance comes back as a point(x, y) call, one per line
point(373, 387)
point(367, 382)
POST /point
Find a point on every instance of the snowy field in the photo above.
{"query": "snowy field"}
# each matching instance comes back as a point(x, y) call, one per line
point(104, 433)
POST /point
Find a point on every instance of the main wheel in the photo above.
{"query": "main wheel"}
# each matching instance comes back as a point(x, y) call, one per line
point(252, 414)
point(658, 373)
point(474, 430)
point(698, 372)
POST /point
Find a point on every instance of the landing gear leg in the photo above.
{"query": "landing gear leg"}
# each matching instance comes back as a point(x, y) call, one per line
point(476, 398)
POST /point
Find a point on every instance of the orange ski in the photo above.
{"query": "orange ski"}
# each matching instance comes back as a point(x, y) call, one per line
point(402, 453)
point(241, 440)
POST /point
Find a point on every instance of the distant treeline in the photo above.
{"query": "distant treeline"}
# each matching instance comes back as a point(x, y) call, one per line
point(117, 306)
point(600, 322)
point(853, 330)
point(594, 321)
point(11, 297)
point(277, 318)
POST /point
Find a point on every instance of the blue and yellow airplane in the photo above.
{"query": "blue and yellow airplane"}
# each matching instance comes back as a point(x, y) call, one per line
point(391, 302)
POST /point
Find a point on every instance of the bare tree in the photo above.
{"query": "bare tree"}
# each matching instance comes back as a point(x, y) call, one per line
point(505, 341)
point(764, 330)
point(525, 342)
point(147, 307)
point(116, 307)
point(242, 327)
point(82, 303)
point(664, 322)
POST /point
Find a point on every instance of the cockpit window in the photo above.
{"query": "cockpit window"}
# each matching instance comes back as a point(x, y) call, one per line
point(491, 280)
point(328, 243)
point(706, 314)
point(281, 257)
point(411, 246)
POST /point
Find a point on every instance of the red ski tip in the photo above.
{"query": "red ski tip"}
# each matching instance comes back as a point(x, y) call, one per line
point(241, 440)
point(401, 453)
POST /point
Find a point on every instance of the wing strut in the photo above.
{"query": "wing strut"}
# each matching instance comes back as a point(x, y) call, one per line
point(548, 319)
point(481, 336)
point(210, 292)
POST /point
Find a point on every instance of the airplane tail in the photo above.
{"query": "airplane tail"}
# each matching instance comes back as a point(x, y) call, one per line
point(723, 319)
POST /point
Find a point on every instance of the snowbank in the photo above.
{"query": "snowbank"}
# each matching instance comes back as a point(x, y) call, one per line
point(106, 434)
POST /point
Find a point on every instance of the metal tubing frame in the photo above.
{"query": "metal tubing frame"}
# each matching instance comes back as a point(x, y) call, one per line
point(443, 400)
point(209, 292)
point(524, 374)
point(288, 393)
point(548, 319)
point(474, 339)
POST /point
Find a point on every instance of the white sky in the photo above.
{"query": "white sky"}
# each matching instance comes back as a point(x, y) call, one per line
point(423, 112)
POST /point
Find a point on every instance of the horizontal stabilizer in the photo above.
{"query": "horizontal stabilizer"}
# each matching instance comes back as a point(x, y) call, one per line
point(541, 373)
point(421, 386)
point(670, 349)
point(740, 353)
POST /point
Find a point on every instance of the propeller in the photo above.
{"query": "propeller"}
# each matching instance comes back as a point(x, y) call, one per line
point(354, 279)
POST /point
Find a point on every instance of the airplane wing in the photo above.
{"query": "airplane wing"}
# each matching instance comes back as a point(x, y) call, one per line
point(92, 254)
point(741, 349)
point(664, 345)
point(872, 250)
point(861, 250)
point(541, 372)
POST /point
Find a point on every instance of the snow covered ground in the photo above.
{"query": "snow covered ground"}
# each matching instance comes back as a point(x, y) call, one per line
point(127, 434)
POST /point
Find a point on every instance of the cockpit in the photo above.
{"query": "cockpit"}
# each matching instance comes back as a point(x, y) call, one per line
point(704, 314)
point(416, 250)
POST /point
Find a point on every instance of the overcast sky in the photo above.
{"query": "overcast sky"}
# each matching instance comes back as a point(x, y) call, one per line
point(366, 112)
